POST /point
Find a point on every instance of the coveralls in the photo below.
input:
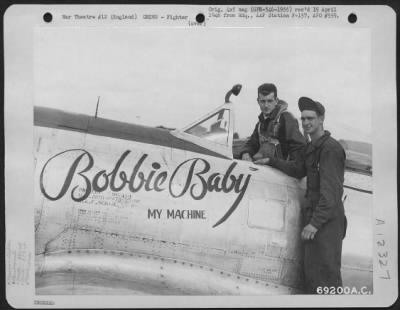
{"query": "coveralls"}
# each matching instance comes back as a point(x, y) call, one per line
point(323, 163)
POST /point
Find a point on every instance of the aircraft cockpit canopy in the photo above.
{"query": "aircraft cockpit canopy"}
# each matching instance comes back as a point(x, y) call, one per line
point(214, 127)
point(213, 131)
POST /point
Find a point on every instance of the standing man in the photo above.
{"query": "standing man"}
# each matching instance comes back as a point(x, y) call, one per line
point(322, 161)
point(277, 133)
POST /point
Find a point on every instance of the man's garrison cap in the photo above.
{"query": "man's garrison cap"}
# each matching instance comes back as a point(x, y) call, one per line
point(308, 104)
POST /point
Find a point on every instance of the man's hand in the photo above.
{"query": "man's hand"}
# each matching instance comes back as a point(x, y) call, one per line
point(308, 232)
point(262, 161)
point(257, 156)
point(246, 157)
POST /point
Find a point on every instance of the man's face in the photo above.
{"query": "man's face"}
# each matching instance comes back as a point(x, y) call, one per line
point(311, 121)
point(267, 103)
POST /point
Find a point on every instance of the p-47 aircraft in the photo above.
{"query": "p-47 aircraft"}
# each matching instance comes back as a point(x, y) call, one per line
point(128, 209)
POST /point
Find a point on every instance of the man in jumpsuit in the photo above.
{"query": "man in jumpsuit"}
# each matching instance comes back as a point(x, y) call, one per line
point(322, 161)
point(276, 133)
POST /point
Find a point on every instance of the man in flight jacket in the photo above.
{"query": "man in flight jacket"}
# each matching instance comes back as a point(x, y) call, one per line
point(277, 132)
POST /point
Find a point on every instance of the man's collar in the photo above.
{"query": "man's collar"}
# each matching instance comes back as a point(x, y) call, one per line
point(322, 139)
point(262, 117)
point(314, 145)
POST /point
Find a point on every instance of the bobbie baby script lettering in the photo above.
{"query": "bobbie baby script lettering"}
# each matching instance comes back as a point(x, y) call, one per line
point(198, 182)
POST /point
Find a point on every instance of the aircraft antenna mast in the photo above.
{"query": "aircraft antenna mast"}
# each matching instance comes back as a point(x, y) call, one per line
point(97, 106)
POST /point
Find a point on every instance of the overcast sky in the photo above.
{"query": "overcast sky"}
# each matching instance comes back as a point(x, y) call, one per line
point(171, 77)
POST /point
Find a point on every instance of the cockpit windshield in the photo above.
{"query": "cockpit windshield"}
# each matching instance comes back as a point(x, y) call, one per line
point(214, 127)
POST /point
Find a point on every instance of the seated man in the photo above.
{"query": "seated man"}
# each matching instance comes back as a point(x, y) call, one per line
point(277, 133)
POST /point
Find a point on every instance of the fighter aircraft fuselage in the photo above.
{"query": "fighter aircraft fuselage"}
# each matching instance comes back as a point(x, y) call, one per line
point(128, 209)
